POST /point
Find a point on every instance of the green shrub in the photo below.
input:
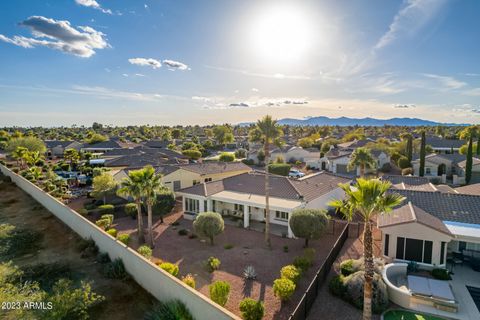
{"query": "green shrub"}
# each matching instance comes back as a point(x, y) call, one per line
point(228, 246)
point(290, 272)
point(82, 211)
point(226, 157)
point(107, 216)
point(182, 232)
point(309, 254)
point(441, 274)
point(336, 286)
point(403, 162)
point(346, 267)
point(189, 280)
point(103, 257)
point(115, 270)
point(302, 263)
point(124, 238)
point(248, 162)
point(283, 288)
point(219, 292)
point(354, 284)
point(131, 209)
point(85, 244)
point(145, 251)
point(170, 268)
point(285, 248)
point(106, 209)
point(103, 223)
point(251, 309)
point(170, 310)
point(213, 263)
point(89, 206)
point(112, 232)
point(279, 168)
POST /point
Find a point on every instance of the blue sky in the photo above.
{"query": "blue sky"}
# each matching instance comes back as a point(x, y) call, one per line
point(172, 62)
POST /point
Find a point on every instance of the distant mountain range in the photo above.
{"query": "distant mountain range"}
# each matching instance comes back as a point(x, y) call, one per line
point(345, 121)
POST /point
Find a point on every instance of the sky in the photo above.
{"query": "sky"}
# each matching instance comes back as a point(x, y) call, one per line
point(167, 62)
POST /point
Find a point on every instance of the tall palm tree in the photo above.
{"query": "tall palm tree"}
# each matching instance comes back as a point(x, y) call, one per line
point(367, 199)
point(361, 157)
point(132, 186)
point(267, 132)
point(152, 184)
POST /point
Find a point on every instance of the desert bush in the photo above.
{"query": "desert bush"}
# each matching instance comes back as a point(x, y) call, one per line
point(249, 273)
point(302, 263)
point(309, 254)
point(82, 211)
point(112, 232)
point(170, 268)
point(337, 286)
point(208, 224)
point(103, 223)
point(441, 274)
point(226, 157)
point(103, 257)
point(219, 292)
point(108, 216)
point(290, 272)
point(46, 274)
point(145, 251)
point(131, 209)
point(248, 162)
point(170, 310)
point(279, 168)
point(189, 280)
point(346, 267)
point(251, 309)
point(16, 241)
point(124, 238)
point(228, 246)
point(213, 263)
point(283, 288)
point(106, 209)
point(115, 270)
point(89, 206)
point(354, 291)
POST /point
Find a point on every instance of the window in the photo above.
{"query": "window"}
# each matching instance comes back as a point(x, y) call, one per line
point(427, 252)
point(205, 205)
point(400, 247)
point(414, 250)
point(462, 245)
point(387, 241)
point(428, 171)
point(192, 205)
point(208, 179)
point(238, 207)
point(281, 215)
point(214, 205)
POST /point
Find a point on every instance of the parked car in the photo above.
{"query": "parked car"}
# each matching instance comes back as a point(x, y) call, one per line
point(294, 173)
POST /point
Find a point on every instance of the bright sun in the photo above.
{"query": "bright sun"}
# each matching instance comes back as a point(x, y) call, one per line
point(281, 34)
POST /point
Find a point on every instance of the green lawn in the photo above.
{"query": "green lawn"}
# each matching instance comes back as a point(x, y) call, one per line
point(407, 315)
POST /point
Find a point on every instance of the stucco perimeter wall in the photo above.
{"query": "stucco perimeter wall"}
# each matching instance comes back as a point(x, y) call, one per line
point(159, 283)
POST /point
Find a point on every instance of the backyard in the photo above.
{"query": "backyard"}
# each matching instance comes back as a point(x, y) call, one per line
point(407, 315)
point(236, 248)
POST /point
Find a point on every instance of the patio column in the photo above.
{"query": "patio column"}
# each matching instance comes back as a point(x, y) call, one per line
point(201, 206)
point(183, 203)
point(209, 205)
point(246, 216)
point(290, 232)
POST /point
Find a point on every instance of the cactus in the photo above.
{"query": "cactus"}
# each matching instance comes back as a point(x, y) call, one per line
point(249, 273)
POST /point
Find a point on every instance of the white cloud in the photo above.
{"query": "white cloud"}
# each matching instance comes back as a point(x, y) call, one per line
point(414, 15)
point(139, 75)
point(261, 75)
point(93, 4)
point(447, 82)
point(125, 75)
point(255, 90)
point(175, 65)
point(59, 35)
point(473, 92)
point(146, 62)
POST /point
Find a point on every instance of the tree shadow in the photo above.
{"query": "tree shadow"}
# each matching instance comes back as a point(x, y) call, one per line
point(247, 287)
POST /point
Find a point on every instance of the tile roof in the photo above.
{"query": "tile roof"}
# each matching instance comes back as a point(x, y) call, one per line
point(337, 153)
point(309, 188)
point(437, 142)
point(440, 158)
point(473, 189)
point(446, 206)
point(463, 163)
point(409, 182)
point(139, 161)
point(409, 213)
point(156, 144)
point(353, 144)
point(212, 167)
point(109, 144)
point(55, 143)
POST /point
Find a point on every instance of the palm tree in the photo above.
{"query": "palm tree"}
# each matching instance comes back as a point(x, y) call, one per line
point(267, 132)
point(367, 199)
point(132, 186)
point(151, 186)
point(361, 157)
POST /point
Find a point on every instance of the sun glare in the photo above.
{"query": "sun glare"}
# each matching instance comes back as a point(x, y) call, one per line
point(281, 34)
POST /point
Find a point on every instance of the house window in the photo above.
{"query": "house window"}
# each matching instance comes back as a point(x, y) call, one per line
point(400, 248)
point(195, 182)
point(214, 205)
point(192, 205)
point(208, 179)
point(428, 170)
point(442, 252)
point(414, 250)
point(281, 215)
point(427, 252)
point(205, 205)
point(387, 241)
point(238, 207)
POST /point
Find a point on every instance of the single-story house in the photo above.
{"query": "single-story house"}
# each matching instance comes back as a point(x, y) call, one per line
point(179, 176)
point(473, 189)
point(243, 196)
point(56, 148)
point(102, 147)
point(429, 225)
point(450, 165)
point(442, 145)
point(409, 182)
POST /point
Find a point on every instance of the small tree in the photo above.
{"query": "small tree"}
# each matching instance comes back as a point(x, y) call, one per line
point(219, 292)
point(209, 224)
point(308, 223)
point(283, 288)
point(240, 153)
point(193, 154)
point(251, 309)
point(103, 185)
point(227, 157)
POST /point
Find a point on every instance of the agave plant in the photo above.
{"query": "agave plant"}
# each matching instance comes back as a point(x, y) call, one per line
point(249, 273)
